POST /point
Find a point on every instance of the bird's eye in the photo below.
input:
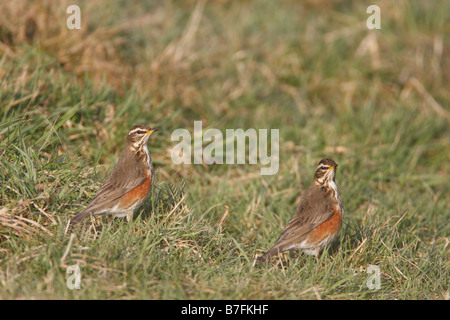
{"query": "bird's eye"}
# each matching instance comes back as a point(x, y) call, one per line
point(141, 132)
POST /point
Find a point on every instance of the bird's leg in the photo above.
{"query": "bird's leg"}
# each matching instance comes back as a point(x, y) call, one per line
point(316, 252)
point(129, 215)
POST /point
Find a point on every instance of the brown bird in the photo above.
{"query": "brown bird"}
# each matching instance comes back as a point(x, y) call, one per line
point(130, 181)
point(318, 218)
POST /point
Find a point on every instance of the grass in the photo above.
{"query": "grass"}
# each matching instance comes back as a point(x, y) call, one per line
point(375, 101)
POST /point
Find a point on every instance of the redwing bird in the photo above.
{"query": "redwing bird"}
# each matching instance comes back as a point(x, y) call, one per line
point(130, 181)
point(318, 218)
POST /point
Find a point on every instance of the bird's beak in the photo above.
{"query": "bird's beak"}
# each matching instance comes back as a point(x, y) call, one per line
point(331, 168)
point(152, 130)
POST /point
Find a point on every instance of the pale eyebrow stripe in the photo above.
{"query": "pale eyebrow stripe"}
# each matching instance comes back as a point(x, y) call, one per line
point(320, 166)
point(135, 130)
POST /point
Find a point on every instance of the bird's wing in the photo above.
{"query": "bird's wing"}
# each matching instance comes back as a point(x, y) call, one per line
point(312, 211)
point(121, 181)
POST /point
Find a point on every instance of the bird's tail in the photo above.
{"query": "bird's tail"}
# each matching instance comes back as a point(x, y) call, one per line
point(266, 256)
point(79, 217)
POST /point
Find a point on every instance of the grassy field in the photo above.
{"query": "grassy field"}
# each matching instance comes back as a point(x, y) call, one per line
point(376, 101)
